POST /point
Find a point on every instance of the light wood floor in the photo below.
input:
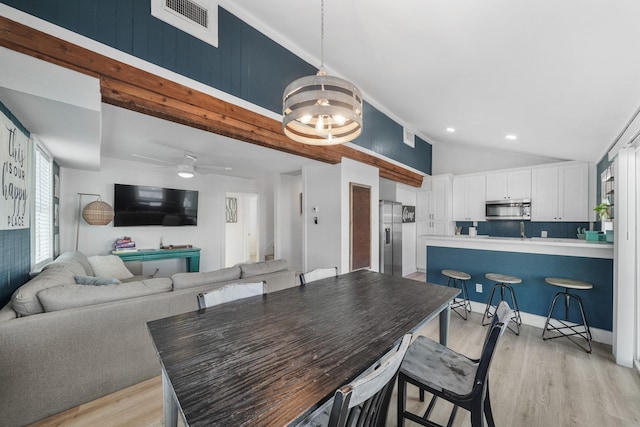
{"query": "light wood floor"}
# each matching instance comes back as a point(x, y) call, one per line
point(534, 383)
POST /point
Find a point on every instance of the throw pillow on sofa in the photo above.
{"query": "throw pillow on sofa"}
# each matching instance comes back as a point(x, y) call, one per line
point(96, 281)
point(109, 266)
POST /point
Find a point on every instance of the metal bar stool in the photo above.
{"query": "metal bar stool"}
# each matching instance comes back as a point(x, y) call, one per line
point(457, 279)
point(503, 282)
point(586, 332)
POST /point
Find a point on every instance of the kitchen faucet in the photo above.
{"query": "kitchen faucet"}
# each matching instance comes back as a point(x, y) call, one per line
point(522, 230)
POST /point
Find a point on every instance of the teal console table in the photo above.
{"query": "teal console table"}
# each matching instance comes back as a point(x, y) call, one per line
point(192, 255)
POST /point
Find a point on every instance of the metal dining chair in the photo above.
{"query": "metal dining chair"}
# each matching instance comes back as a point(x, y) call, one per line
point(451, 376)
point(365, 401)
point(317, 274)
point(229, 293)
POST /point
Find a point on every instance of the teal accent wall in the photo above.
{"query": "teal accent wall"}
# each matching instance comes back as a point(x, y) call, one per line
point(384, 136)
point(563, 230)
point(533, 295)
point(15, 245)
point(246, 64)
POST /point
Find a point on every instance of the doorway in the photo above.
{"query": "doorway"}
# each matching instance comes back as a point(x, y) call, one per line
point(360, 226)
point(242, 235)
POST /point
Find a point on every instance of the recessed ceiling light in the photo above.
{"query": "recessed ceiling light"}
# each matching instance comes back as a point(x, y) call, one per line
point(511, 137)
point(451, 130)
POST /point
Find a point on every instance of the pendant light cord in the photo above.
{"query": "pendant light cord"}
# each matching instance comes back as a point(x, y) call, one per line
point(322, 35)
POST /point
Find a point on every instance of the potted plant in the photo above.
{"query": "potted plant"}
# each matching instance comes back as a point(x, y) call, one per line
point(602, 210)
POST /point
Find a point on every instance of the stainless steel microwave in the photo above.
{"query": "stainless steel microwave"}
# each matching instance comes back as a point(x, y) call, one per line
point(509, 209)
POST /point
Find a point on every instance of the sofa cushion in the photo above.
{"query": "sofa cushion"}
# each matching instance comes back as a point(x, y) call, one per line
point(71, 296)
point(253, 269)
point(191, 280)
point(25, 300)
point(109, 266)
point(70, 265)
point(96, 281)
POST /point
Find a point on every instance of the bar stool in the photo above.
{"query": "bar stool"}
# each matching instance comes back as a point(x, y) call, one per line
point(503, 282)
point(584, 334)
point(459, 279)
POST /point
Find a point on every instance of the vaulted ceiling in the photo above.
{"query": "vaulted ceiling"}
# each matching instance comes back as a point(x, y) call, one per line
point(560, 75)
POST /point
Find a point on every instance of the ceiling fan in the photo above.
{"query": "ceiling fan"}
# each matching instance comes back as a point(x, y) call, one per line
point(188, 167)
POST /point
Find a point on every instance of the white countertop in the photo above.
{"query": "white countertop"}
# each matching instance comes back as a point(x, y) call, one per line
point(538, 245)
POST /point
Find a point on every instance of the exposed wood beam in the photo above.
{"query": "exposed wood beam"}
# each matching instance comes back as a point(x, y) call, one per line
point(129, 87)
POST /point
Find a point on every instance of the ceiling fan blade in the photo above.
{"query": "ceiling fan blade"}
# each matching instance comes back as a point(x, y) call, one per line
point(139, 156)
point(211, 169)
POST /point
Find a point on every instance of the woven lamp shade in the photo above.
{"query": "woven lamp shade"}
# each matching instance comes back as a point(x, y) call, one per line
point(98, 213)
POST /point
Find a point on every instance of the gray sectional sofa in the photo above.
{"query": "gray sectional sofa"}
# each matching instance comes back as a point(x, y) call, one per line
point(63, 344)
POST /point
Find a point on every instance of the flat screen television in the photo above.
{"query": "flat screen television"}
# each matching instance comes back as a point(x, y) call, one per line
point(136, 205)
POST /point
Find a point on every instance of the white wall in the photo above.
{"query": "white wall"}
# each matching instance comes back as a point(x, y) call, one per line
point(209, 234)
point(288, 233)
point(625, 274)
point(459, 159)
point(359, 173)
point(321, 241)
point(407, 196)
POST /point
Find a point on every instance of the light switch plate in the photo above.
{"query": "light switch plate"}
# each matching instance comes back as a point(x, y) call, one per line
point(479, 288)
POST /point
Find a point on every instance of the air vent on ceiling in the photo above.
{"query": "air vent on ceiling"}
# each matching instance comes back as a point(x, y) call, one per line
point(409, 137)
point(200, 19)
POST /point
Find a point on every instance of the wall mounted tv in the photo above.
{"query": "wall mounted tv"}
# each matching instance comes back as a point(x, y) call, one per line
point(136, 205)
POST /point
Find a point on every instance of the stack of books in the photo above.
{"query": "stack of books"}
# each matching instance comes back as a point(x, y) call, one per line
point(124, 245)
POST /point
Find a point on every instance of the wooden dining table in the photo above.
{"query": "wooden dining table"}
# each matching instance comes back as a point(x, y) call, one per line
point(272, 360)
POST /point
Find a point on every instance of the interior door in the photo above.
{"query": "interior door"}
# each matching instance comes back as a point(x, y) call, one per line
point(360, 226)
point(241, 228)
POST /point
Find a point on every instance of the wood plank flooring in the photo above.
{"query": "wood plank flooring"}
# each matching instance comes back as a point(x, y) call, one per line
point(534, 383)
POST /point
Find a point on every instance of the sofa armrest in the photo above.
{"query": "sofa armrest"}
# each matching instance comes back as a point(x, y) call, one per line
point(7, 312)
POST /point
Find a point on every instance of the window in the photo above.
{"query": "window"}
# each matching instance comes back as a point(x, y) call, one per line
point(42, 239)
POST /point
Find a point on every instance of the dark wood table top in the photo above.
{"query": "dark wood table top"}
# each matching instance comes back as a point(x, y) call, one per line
point(272, 359)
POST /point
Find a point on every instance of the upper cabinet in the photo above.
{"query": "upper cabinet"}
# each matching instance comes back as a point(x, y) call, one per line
point(433, 208)
point(440, 207)
point(560, 193)
point(469, 198)
point(512, 185)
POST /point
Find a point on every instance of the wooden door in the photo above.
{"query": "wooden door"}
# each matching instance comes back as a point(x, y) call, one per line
point(360, 226)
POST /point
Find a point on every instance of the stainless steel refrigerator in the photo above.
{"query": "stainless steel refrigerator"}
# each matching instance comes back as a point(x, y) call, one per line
point(391, 238)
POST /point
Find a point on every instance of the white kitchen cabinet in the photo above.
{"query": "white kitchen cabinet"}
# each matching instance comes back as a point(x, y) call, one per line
point(560, 193)
point(433, 208)
point(469, 198)
point(513, 185)
point(421, 253)
point(440, 202)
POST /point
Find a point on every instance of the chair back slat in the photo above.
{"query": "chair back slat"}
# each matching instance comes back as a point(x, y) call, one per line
point(229, 293)
point(499, 324)
point(365, 401)
point(317, 274)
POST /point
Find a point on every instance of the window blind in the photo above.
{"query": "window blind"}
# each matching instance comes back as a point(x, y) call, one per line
point(43, 217)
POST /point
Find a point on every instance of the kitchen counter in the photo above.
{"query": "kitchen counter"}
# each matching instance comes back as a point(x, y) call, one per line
point(531, 259)
point(534, 245)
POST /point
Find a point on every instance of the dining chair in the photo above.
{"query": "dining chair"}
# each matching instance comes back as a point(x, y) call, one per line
point(317, 274)
point(365, 401)
point(451, 376)
point(228, 293)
